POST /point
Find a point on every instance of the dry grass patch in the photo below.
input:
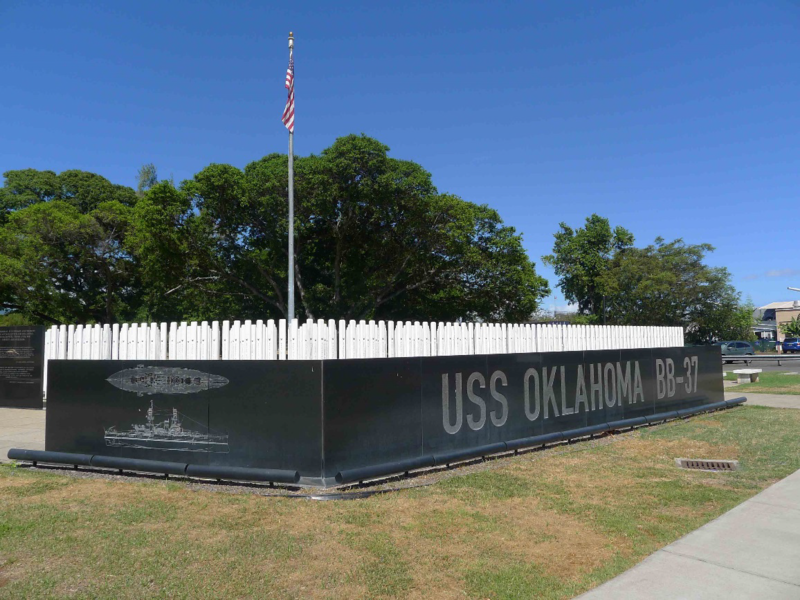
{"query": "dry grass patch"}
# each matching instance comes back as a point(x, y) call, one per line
point(563, 545)
point(662, 452)
point(335, 567)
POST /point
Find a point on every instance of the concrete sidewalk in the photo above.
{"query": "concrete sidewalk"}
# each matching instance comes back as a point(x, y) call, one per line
point(772, 400)
point(752, 551)
point(20, 428)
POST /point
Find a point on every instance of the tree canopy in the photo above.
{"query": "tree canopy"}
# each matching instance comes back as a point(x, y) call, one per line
point(580, 256)
point(661, 284)
point(374, 239)
point(146, 178)
point(83, 190)
point(62, 254)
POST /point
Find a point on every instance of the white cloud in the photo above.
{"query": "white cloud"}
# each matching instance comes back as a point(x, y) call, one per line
point(567, 308)
point(783, 273)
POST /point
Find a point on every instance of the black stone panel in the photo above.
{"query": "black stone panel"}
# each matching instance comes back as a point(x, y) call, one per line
point(709, 371)
point(550, 393)
point(450, 420)
point(21, 367)
point(221, 413)
point(372, 412)
point(271, 412)
point(636, 384)
point(500, 398)
point(325, 417)
point(686, 377)
point(517, 369)
point(96, 406)
point(575, 406)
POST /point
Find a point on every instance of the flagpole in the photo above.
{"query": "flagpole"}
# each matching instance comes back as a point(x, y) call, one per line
point(290, 316)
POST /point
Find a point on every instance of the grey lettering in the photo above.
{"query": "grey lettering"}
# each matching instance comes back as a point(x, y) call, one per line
point(532, 415)
point(548, 393)
point(670, 378)
point(565, 410)
point(609, 385)
point(638, 392)
point(499, 421)
point(477, 400)
point(596, 386)
point(661, 385)
point(624, 389)
point(455, 427)
point(580, 393)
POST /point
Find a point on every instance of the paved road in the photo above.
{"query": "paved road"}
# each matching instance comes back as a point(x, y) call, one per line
point(788, 366)
point(752, 551)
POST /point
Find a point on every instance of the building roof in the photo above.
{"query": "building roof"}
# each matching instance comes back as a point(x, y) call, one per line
point(782, 305)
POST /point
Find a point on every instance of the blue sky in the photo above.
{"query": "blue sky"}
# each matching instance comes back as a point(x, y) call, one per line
point(673, 119)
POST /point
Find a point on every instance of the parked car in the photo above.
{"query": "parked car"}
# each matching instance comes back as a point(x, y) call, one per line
point(791, 345)
point(736, 348)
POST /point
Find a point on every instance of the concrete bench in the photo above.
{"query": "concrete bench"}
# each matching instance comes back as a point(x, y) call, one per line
point(747, 375)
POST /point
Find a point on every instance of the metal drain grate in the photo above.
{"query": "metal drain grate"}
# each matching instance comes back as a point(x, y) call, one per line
point(704, 464)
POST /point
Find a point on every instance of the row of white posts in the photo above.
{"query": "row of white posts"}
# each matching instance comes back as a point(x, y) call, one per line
point(321, 339)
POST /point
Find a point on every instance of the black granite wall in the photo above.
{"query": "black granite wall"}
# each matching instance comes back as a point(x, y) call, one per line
point(325, 418)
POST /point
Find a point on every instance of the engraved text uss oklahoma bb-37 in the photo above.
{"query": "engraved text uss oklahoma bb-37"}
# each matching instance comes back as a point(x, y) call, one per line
point(165, 380)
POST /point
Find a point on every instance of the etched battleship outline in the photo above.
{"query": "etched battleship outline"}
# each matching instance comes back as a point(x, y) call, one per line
point(168, 435)
point(165, 380)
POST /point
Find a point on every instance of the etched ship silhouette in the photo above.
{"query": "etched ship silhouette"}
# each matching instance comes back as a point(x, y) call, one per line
point(166, 435)
point(165, 380)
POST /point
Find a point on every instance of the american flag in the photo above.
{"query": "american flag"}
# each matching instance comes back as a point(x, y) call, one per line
point(288, 112)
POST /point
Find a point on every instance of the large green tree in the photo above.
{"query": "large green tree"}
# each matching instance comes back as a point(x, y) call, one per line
point(738, 323)
point(670, 284)
point(374, 239)
point(26, 187)
point(83, 190)
point(172, 246)
point(580, 256)
point(62, 252)
point(667, 284)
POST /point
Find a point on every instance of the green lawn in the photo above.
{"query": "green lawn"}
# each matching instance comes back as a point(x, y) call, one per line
point(541, 525)
point(769, 382)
